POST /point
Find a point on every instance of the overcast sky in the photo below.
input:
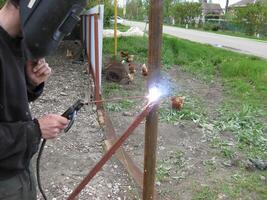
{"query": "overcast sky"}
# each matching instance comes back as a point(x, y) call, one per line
point(223, 2)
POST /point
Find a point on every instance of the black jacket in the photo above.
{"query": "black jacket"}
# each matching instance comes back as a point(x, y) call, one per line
point(19, 134)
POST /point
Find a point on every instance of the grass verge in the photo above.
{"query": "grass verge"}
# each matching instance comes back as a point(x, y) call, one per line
point(120, 27)
point(245, 77)
point(237, 186)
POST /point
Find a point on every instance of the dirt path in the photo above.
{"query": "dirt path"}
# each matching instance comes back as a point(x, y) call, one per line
point(182, 145)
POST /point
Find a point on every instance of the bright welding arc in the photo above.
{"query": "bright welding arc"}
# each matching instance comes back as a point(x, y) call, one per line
point(154, 94)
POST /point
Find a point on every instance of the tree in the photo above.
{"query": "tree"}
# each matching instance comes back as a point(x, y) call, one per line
point(108, 7)
point(226, 6)
point(166, 10)
point(186, 13)
point(254, 16)
point(136, 10)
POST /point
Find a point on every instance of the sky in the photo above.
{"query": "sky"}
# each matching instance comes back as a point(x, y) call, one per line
point(221, 2)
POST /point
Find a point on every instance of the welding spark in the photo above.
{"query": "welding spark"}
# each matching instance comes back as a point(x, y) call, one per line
point(154, 94)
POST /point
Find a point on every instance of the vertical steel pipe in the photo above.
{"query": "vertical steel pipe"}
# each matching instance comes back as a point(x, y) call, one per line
point(151, 128)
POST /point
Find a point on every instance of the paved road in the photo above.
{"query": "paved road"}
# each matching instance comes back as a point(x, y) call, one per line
point(242, 45)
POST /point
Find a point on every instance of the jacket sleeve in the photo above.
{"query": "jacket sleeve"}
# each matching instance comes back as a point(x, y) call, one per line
point(34, 92)
point(18, 143)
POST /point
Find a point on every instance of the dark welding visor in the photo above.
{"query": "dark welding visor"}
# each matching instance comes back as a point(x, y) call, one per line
point(44, 23)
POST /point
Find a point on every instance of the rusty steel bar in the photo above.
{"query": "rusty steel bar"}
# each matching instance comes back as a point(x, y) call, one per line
point(97, 71)
point(89, 43)
point(117, 99)
point(138, 119)
point(151, 127)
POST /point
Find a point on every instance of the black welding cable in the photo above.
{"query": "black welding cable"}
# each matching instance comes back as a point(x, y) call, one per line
point(38, 169)
point(70, 114)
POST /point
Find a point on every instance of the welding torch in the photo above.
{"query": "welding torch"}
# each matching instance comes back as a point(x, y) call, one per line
point(70, 114)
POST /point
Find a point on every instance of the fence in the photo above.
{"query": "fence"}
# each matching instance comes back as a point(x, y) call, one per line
point(92, 22)
point(236, 27)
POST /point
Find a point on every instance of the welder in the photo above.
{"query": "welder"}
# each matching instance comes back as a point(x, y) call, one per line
point(29, 31)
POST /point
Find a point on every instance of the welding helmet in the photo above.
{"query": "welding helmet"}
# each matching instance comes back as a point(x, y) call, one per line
point(44, 23)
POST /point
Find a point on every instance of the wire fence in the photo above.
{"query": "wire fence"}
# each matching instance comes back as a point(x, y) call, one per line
point(236, 27)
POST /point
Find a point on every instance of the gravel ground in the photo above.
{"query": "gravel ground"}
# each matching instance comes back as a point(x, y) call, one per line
point(67, 159)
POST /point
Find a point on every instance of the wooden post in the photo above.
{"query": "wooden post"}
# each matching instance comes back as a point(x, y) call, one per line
point(151, 128)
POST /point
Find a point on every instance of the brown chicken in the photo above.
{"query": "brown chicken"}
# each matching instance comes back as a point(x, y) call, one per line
point(131, 77)
point(144, 70)
point(131, 68)
point(126, 57)
point(177, 102)
point(124, 54)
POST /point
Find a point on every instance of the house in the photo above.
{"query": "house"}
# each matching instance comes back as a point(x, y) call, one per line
point(211, 11)
point(244, 3)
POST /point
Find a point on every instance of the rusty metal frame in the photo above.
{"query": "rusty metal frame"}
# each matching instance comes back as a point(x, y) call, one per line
point(138, 119)
point(129, 164)
point(144, 180)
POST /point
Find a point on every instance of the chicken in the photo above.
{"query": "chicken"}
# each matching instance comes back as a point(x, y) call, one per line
point(69, 54)
point(177, 102)
point(131, 68)
point(124, 54)
point(125, 57)
point(130, 58)
point(144, 70)
point(131, 77)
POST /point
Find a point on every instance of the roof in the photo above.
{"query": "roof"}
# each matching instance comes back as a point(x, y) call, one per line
point(244, 3)
point(212, 9)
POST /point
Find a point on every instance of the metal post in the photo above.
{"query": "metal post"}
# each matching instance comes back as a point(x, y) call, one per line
point(151, 128)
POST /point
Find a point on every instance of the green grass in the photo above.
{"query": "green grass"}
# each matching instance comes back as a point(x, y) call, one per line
point(171, 166)
point(204, 193)
point(247, 128)
point(191, 111)
point(242, 113)
point(120, 27)
point(245, 87)
point(245, 77)
point(242, 185)
point(121, 105)
point(134, 45)
point(225, 32)
point(110, 90)
point(238, 34)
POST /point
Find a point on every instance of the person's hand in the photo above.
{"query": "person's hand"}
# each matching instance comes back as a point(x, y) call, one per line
point(51, 125)
point(37, 72)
